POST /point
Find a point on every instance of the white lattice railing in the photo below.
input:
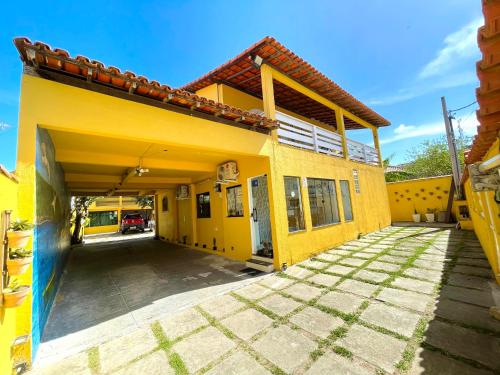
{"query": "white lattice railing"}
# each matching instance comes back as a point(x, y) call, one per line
point(301, 134)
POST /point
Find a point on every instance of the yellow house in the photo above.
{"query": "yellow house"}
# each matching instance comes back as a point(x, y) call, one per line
point(251, 161)
point(105, 213)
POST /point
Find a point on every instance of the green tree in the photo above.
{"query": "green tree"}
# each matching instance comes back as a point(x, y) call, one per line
point(79, 214)
point(145, 201)
point(432, 157)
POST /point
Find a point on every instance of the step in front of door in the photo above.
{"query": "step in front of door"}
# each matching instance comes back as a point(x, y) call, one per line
point(260, 265)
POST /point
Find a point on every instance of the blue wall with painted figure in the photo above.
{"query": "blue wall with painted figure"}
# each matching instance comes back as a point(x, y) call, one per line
point(52, 233)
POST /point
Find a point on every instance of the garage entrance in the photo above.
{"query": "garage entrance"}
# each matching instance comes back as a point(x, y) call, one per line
point(111, 288)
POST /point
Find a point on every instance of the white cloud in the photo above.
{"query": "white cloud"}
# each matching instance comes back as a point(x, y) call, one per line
point(459, 46)
point(467, 124)
point(452, 67)
point(4, 126)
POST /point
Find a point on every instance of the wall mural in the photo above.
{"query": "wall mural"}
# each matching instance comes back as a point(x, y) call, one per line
point(52, 233)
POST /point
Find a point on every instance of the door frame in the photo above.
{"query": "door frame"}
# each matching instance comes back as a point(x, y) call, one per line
point(251, 207)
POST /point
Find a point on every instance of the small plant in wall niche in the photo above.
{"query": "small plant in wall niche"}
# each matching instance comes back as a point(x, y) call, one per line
point(19, 233)
point(15, 294)
point(19, 261)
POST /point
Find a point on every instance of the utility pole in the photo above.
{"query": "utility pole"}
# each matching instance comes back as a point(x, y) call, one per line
point(452, 146)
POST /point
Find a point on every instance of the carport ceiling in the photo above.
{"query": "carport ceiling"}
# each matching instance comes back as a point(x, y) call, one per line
point(99, 165)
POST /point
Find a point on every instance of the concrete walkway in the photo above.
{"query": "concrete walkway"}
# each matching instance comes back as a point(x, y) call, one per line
point(403, 300)
point(112, 288)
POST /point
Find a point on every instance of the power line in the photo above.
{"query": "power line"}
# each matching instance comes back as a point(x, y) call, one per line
point(459, 109)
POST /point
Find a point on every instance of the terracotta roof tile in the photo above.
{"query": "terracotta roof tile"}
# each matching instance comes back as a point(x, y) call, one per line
point(41, 56)
point(10, 175)
point(240, 72)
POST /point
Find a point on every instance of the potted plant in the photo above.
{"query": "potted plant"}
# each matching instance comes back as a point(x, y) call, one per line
point(15, 294)
point(416, 216)
point(19, 261)
point(430, 215)
point(19, 233)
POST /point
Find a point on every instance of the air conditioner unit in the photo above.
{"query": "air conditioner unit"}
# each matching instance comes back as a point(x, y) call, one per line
point(182, 192)
point(227, 172)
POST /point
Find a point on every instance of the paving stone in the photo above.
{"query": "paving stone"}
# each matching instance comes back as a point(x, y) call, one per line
point(331, 363)
point(404, 298)
point(122, 350)
point(377, 277)
point(401, 253)
point(76, 364)
point(415, 285)
point(421, 273)
point(343, 302)
point(286, 348)
point(303, 291)
point(467, 314)
point(341, 270)
point(392, 259)
point(429, 362)
point(314, 264)
point(153, 364)
point(247, 324)
point(364, 255)
point(182, 323)
point(340, 252)
point(324, 279)
point(352, 262)
point(357, 287)
point(473, 262)
point(392, 318)
point(389, 267)
point(222, 306)
point(465, 343)
point(202, 348)
point(316, 321)
point(429, 264)
point(476, 271)
point(468, 281)
point(279, 305)
point(253, 292)
point(374, 347)
point(328, 257)
point(476, 297)
point(239, 363)
point(299, 272)
point(471, 254)
point(276, 282)
point(372, 250)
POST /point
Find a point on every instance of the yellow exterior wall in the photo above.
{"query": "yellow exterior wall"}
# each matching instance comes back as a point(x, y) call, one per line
point(167, 220)
point(420, 194)
point(8, 320)
point(184, 222)
point(484, 212)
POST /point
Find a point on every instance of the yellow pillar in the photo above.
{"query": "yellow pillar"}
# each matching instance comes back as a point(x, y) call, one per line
point(266, 77)
point(194, 215)
point(157, 218)
point(377, 146)
point(339, 117)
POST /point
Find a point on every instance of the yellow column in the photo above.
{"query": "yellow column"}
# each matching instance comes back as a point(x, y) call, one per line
point(377, 145)
point(157, 218)
point(266, 77)
point(339, 117)
point(194, 216)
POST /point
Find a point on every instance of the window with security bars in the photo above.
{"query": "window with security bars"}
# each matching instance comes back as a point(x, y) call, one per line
point(356, 181)
point(234, 201)
point(294, 204)
point(346, 199)
point(203, 205)
point(323, 201)
point(102, 218)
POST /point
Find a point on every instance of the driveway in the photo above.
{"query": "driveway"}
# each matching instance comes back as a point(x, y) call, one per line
point(403, 300)
point(112, 287)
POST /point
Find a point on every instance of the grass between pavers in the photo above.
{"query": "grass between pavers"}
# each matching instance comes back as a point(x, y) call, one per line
point(94, 362)
point(165, 344)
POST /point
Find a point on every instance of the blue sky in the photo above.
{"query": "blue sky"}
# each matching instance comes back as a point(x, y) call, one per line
point(397, 56)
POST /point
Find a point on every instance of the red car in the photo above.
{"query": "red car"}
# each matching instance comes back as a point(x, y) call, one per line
point(132, 221)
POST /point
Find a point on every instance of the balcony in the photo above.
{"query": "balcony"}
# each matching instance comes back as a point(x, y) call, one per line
point(301, 134)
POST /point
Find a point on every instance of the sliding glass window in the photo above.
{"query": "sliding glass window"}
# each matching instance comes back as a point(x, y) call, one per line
point(323, 201)
point(346, 199)
point(294, 204)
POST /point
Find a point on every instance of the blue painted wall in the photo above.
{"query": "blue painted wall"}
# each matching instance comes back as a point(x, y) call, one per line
point(52, 233)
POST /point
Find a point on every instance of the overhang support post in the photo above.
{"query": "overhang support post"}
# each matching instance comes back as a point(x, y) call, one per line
point(339, 119)
point(376, 144)
point(266, 77)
